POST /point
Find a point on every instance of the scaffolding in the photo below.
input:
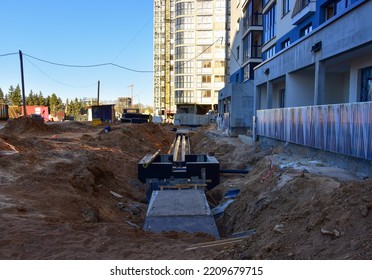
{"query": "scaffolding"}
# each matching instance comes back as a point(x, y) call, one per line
point(163, 101)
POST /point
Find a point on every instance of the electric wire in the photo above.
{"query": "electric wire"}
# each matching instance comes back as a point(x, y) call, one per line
point(195, 57)
point(88, 66)
point(51, 78)
point(132, 39)
point(8, 54)
point(237, 61)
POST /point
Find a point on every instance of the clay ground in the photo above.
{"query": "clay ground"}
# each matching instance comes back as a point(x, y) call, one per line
point(59, 187)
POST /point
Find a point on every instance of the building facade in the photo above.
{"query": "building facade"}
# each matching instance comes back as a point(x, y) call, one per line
point(190, 51)
point(314, 86)
point(236, 99)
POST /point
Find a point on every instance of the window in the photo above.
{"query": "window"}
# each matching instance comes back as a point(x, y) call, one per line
point(246, 41)
point(366, 84)
point(306, 30)
point(184, 52)
point(206, 93)
point(206, 79)
point(286, 43)
point(184, 8)
point(285, 7)
point(246, 72)
point(185, 23)
point(204, 7)
point(335, 7)
point(184, 96)
point(204, 22)
point(270, 52)
point(184, 67)
point(204, 37)
point(237, 52)
point(186, 37)
point(219, 64)
point(269, 24)
point(329, 11)
point(184, 81)
point(256, 44)
point(206, 64)
point(219, 79)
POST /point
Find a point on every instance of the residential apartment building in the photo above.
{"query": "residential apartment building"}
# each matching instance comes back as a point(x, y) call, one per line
point(307, 65)
point(314, 87)
point(190, 52)
point(236, 99)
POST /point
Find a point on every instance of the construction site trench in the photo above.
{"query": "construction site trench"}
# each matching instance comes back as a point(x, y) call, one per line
point(70, 190)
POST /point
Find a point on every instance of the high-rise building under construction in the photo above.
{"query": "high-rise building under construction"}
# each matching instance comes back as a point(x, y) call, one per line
point(190, 55)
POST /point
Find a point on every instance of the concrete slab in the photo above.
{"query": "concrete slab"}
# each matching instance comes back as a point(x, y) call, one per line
point(180, 210)
point(187, 202)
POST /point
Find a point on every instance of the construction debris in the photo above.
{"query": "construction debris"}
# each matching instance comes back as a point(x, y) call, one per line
point(279, 228)
point(116, 194)
point(335, 232)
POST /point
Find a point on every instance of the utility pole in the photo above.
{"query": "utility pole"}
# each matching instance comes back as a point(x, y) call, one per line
point(98, 92)
point(23, 84)
point(131, 96)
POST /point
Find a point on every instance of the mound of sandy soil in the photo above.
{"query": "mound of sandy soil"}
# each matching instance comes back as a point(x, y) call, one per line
point(75, 194)
point(25, 125)
point(70, 191)
point(299, 207)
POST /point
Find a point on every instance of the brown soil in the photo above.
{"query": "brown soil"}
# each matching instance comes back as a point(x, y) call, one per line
point(56, 199)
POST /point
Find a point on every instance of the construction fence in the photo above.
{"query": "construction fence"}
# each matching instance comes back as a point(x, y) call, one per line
point(341, 128)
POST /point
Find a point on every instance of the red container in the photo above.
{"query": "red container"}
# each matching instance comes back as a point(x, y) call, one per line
point(38, 110)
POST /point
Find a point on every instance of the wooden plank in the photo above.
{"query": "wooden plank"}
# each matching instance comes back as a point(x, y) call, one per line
point(240, 236)
point(220, 242)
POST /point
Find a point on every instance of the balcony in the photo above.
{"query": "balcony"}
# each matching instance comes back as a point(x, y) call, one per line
point(254, 19)
point(302, 10)
point(255, 52)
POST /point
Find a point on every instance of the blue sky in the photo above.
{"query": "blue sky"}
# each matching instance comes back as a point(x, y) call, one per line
point(78, 32)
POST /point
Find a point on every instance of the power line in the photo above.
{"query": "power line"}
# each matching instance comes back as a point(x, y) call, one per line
point(199, 54)
point(64, 84)
point(237, 61)
point(7, 54)
point(89, 66)
point(132, 39)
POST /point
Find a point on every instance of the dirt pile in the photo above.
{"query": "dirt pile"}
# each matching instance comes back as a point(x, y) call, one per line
point(297, 211)
point(70, 191)
point(25, 125)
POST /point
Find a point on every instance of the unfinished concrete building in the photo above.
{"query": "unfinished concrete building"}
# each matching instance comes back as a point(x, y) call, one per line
point(190, 50)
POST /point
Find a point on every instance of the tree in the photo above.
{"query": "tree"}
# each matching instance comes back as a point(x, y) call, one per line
point(70, 108)
point(76, 107)
point(40, 99)
point(15, 96)
point(10, 93)
point(2, 97)
point(55, 104)
point(30, 99)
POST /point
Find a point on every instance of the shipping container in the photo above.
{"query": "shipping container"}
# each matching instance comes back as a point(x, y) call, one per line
point(38, 110)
